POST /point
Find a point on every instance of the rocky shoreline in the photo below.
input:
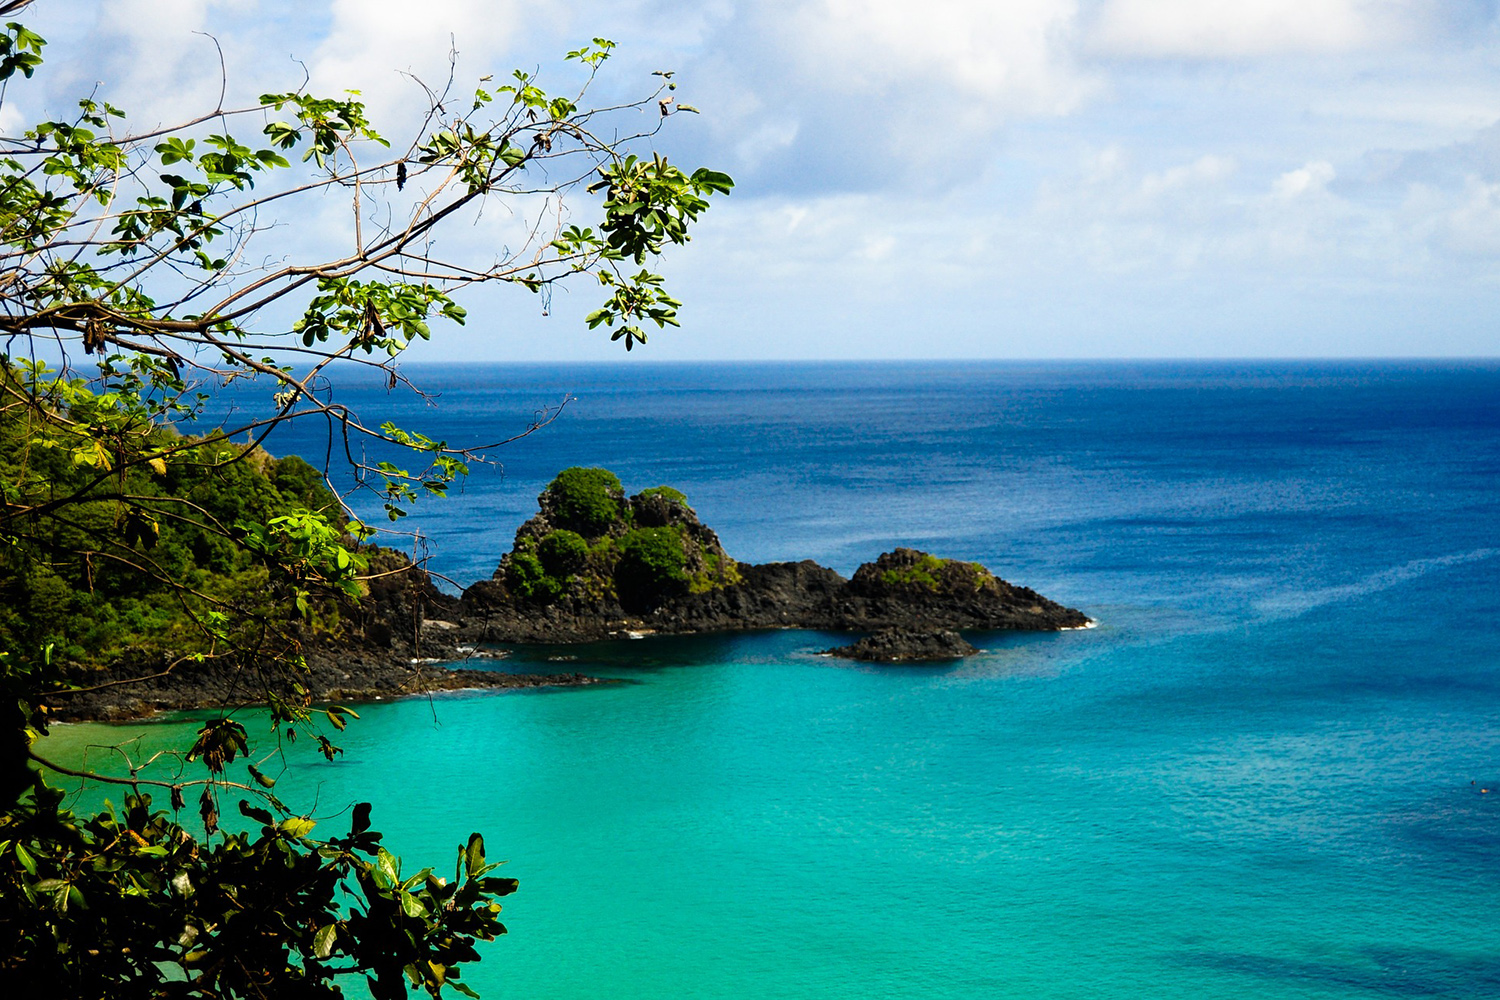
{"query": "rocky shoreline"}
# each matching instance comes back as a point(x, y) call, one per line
point(334, 676)
point(595, 565)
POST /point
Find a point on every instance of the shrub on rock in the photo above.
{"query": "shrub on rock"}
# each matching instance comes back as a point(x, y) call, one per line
point(527, 578)
point(585, 501)
point(652, 567)
point(563, 553)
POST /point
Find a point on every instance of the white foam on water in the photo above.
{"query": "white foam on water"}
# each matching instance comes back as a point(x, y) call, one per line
point(1294, 603)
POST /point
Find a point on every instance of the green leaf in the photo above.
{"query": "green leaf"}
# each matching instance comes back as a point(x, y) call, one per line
point(260, 816)
point(474, 854)
point(295, 827)
point(387, 869)
point(323, 940)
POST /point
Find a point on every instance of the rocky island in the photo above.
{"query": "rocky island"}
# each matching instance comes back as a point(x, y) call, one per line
point(594, 563)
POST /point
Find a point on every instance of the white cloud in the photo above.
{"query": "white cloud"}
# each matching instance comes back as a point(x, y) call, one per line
point(1012, 56)
point(1312, 178)
point(1470, 225)
point(823, 95)
point(1207, 168)
point(1215, 29)
point(371, 44)
point(768, 139)
point(13, 119)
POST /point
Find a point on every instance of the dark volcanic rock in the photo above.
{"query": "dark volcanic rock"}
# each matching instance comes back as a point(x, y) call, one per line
point(911, 588)
point(352, 677)
point(903, 644)
point(647, 564)
point(902, 589)
point(391, 644)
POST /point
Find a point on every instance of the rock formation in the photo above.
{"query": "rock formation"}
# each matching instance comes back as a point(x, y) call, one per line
point(902, 645)
point(594, 563)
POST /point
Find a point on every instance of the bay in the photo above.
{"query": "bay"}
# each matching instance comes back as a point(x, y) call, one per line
point(1263, 774)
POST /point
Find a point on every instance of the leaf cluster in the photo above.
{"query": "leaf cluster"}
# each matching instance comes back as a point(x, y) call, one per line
point(129, 902)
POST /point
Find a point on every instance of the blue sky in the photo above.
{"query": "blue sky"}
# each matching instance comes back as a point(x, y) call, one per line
point(1028, 178)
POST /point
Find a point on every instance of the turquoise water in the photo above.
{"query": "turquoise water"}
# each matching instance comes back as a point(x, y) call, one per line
point(1261, 775)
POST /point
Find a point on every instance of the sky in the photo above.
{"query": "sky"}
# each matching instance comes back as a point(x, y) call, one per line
point(944, 178)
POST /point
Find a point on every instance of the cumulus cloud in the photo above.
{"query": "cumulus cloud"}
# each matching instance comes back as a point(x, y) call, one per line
point(1011, 56)
point(869, 93)
point(375, 46)
point(951, 155)
point(1312, 178)
point(1199, 29)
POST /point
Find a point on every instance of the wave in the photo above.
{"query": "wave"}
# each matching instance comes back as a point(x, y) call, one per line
point(1295, 603)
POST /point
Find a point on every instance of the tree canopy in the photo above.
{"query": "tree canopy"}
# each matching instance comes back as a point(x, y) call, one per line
point(133, 283)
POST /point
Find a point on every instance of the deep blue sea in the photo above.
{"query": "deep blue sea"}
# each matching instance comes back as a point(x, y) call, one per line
point(1272, 770)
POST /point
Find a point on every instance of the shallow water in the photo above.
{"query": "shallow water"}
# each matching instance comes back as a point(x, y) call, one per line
point(1261, 775)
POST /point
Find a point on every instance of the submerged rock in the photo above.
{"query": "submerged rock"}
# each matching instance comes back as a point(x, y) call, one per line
point(895, 645)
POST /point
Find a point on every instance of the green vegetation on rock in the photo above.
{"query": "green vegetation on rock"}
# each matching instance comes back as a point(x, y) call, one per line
point(718, 571)
point(652, 567)
point(563, 553)
point(591, 544)
point(586, 501)
point(670, 493)
point(529, 580)
point(934, 574)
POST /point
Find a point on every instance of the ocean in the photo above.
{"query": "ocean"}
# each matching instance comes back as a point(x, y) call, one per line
point(1271, 770)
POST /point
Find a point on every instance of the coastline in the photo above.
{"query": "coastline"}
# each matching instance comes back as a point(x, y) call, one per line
point(354, 677)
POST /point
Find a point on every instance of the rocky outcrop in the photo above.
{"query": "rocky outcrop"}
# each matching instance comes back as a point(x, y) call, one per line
point(123, 692)
point(901, 645)
point(610, 583)
point(777, 595)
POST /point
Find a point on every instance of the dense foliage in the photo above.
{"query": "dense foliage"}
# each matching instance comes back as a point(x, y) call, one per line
point(591, 544)
point(563, 552)
point(200, 520)
point(652, 566)
point(134, 273)
point(586, 501)
point(127, 895)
